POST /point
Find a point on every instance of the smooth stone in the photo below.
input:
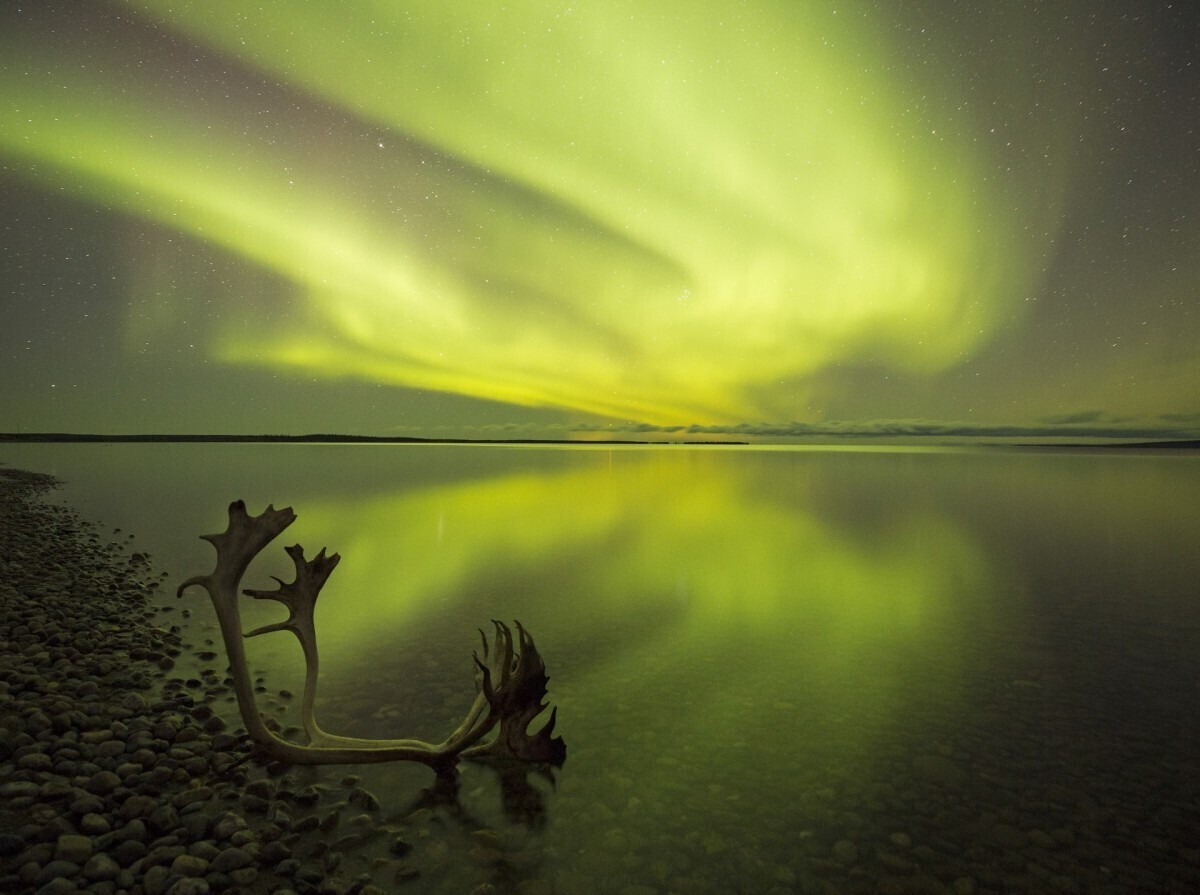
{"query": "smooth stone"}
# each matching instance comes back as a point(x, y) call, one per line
point(205, 850)
point(102, 783)
point(196, 825)
point(164, 854)
point(1008, 837)
point(361, 798)
point(154, 882)
point(60, 885)
point(1042, 839)
point(895, 864)
point(262, 789)
point(189, 865)
point(229, 860)
point(845, 851)
point(35, 761)
point(56, 868)
point(199, 794)
point(245, 876)
point(138, 806)
point(274, 852)
point(19, 789)
point(190, 886)
point(87, 804)
point(101, 867)
point(94, 825)
point(73, 847)
point(255, 805)
point(228, 824)
point(164, 818)
point(135, 830)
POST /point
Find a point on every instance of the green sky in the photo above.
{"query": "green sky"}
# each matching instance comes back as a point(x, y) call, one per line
point(564, 219)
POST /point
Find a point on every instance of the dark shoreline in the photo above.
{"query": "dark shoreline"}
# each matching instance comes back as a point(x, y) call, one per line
point(122, 764)
point(68, 438)
point(1182, 445)
point(334, 438)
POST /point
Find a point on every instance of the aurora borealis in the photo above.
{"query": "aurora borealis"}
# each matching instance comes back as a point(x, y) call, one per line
point(558, 219)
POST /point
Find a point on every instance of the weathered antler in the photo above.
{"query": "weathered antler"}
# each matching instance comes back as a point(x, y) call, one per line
point(509, 691)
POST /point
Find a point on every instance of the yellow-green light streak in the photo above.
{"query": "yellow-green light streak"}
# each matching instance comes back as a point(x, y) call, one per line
point(656, 215)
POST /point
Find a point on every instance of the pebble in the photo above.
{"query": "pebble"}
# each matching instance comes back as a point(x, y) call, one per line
point(845, 851)
point(73, 848)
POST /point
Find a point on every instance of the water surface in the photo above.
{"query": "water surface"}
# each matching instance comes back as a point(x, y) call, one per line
point(777, 669)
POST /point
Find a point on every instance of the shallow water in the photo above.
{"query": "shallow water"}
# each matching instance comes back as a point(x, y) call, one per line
point(777, 669)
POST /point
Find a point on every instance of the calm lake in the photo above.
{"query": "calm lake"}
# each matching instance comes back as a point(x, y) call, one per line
point(777, 669)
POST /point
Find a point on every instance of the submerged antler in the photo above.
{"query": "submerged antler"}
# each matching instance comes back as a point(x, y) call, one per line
point(509, 690)
point(517, 699)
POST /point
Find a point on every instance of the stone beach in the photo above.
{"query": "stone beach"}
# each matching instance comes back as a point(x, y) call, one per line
point(116, 775)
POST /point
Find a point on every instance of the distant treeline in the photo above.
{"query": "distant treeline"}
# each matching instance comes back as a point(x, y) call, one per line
point(1183, 444)
point(64, 437)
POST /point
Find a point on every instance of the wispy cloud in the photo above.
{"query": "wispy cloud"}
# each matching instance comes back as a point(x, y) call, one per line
point(1070, 419)
point(1089, 424)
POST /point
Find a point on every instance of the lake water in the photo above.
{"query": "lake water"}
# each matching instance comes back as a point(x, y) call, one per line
point(778, 669)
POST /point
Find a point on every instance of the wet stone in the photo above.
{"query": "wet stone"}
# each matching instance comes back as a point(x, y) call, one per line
point(127, 852)
point(273, 852)
point(94, 824)
point(73, 848)
point(190, 886)
point(55, 868)
point(1042, 839)
point(900, 840)
point(845, 851)
point(198, 794)
point(18, 789)
point(59, 885)
point(101, 867)
point(103, 783)
point(87, 804)
point(1008, 837)
point(189, 865)
point(229, 860)
point(893, 863)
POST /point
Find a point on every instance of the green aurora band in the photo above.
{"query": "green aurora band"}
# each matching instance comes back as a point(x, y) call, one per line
point(633, 211)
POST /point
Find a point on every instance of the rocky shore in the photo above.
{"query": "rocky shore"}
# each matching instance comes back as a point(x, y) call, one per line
point(121, 770)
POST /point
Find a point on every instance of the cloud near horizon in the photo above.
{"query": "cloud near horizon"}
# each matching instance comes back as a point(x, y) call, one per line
point(1089, 425)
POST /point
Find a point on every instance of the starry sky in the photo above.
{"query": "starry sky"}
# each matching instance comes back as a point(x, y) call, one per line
point(579, 219)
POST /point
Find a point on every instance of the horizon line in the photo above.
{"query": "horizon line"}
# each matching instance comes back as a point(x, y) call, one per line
point(1060, 439)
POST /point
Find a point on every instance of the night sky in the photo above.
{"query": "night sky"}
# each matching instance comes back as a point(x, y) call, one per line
point(597, 218)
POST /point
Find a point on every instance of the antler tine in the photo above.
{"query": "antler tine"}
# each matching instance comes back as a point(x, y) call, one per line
point(300, 598)
point(509, 685)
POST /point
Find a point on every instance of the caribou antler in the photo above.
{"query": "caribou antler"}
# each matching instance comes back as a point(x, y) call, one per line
point(509, 690)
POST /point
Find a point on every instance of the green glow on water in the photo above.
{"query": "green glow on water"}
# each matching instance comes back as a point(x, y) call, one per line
point(665, 578)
